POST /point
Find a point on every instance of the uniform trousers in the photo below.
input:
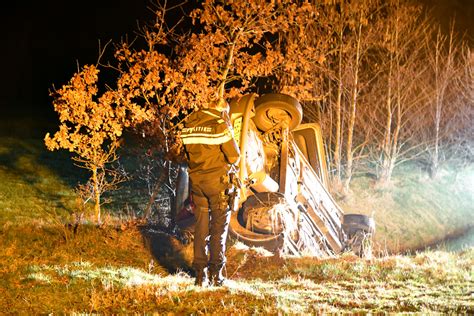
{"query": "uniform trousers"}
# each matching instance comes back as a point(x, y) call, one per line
point(212, 222)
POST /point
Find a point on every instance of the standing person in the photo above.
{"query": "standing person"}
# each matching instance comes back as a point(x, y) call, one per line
point(211, 151)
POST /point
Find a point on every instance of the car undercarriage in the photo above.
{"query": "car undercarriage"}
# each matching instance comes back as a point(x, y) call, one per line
point(284, 204)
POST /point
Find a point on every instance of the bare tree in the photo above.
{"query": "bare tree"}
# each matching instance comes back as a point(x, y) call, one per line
point(462, 138)
point(323, 60)
point(363, 37)
point(399, 92)
point(445, 58)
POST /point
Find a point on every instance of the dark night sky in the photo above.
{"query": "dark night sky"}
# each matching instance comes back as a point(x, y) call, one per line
point(42, 43)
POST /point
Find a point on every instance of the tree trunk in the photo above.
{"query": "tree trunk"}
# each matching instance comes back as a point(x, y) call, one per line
point(385, 172)
point(444, 73)
point(392, 150)
point(95, 184)
point(229, 61)
point(338, 140)
point(352, 117)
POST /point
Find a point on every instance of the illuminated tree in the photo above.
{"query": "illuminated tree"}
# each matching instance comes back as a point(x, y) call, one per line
point(162, 82)
point(397, 95)
point(325, 53)
point(91, 125)
point(228, 50)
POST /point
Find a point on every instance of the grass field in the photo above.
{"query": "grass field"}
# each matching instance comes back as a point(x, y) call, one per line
point(415, 211)
point(50, 265)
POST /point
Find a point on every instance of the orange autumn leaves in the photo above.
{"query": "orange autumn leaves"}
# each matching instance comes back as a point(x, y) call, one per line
point(90, 122)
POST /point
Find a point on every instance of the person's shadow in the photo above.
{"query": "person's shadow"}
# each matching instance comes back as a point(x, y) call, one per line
point(171, 253)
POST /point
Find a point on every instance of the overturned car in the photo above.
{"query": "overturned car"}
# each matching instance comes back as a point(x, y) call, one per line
point(284, 204)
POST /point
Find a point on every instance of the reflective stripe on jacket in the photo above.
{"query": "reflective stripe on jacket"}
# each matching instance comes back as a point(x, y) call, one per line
point(209, 144)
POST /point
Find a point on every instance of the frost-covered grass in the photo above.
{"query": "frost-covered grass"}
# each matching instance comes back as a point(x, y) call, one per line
point(49, 265)
point(429, 282)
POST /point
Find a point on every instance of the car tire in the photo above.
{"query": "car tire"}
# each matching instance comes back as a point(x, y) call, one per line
point(353, 222)
point(272, 108)
point(359, 230)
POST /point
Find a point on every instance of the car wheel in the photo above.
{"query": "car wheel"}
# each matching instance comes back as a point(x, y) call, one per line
point(359, 230)
point(274, 108)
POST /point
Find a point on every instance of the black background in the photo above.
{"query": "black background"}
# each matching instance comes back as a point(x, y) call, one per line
point(43, 42)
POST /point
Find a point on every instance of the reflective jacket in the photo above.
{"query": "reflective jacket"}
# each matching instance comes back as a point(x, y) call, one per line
point(209, 144)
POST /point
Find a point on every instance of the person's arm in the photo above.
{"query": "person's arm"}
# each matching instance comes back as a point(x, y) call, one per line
point(229, 147)
point(231, 151)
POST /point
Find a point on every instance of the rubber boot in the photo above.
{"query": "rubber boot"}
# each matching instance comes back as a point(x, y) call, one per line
point(201, 277)
point(216, 277)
